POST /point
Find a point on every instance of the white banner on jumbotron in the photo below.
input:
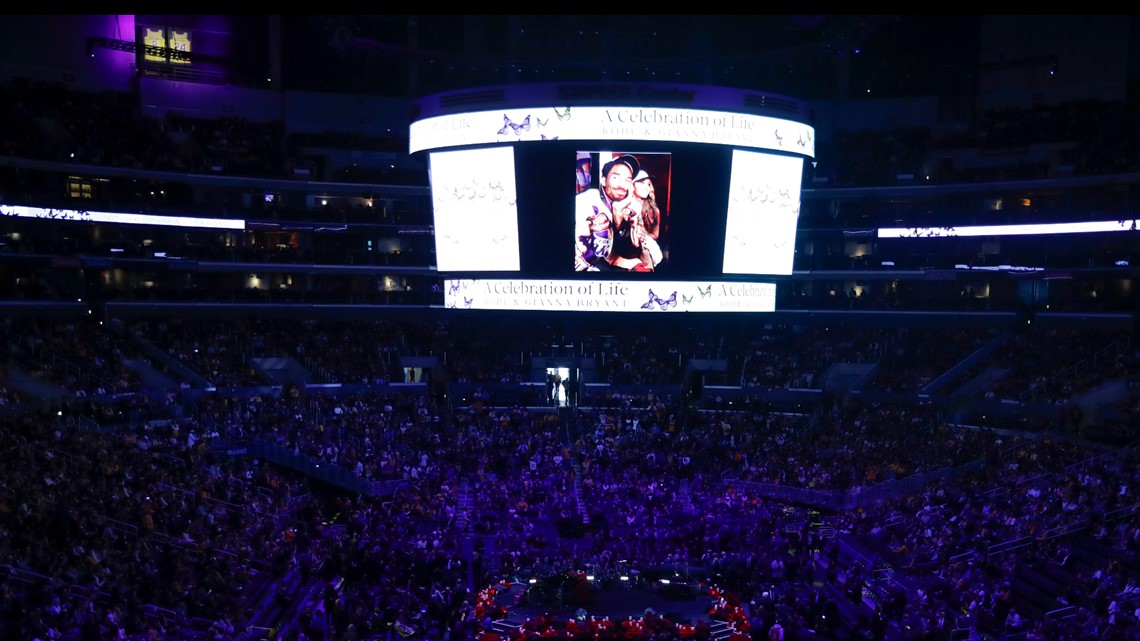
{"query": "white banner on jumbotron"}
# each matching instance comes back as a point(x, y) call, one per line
point(610, 295)
point(612, 123)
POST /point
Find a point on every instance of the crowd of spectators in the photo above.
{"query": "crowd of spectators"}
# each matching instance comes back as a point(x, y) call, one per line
point(1073, 363)
point(101, 531)
point(498, 492)
point(900, 372)
point(798, 356)
point(507, 362)
point(76, 355)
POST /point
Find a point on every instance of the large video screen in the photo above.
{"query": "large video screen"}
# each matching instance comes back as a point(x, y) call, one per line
point(763, 210)
point(645, 195)
point(476, 217)
point(556, 209)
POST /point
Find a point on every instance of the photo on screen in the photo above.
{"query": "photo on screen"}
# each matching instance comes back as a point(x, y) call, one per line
point(621, 211)
point(763, 212)
point(476, 215)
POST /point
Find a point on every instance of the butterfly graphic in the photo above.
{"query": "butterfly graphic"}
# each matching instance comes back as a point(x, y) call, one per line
point(451, 304)
point(801, 142)
point(550, 138)
point(467, 302)
point(541, 122)
point(662, 303)
point(562, 115)
point(779, 138)
point(499, 239)
point(706, 292)
point(453, 288)
point(686, 299)
point(518, 128)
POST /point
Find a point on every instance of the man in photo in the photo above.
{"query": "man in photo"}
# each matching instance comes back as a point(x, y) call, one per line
point(597, 212)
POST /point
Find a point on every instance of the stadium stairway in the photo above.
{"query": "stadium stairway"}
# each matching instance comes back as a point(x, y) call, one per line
point(492, 564)
point(1037, 586)
point(49, 395)
point(166, 361)
point(465, 506)
point(951, 376)
point(983, 381)
point(1091, 555)
point(269, 603)
point(281, 370)
point(685, 496)
point(719, 630)
point(151, 378)
point(509, 627)
point(309, 594)
point(583, 511)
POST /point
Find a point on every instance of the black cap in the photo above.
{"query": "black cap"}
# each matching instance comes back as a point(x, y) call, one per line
point(627, 160)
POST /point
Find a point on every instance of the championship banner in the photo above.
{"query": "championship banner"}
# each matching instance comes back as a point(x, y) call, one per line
point(610, 295)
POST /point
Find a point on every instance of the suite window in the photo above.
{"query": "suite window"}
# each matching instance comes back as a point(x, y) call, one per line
point(80, 188)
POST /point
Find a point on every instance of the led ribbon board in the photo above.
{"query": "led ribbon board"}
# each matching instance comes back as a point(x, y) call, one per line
point(593, 124)
point(121, 218)
point(610, 295)
point(1090, 227)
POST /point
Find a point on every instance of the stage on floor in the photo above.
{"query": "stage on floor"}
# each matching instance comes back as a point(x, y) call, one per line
point(577, 598)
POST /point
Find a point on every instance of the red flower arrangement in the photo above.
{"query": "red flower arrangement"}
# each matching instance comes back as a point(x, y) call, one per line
point(485, 605)
point(727, 607)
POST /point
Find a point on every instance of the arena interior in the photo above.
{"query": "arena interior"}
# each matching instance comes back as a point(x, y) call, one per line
point(245, 395)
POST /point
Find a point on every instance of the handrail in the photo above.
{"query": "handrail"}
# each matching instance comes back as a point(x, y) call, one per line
point(232, 506)
point(963, 556)
point(1120, 511)
point(127, 527)
point(1061, 612)
point(1011, 544)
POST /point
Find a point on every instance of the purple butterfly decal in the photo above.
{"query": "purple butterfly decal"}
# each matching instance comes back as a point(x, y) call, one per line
point(518, 128)
point(662, 303)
